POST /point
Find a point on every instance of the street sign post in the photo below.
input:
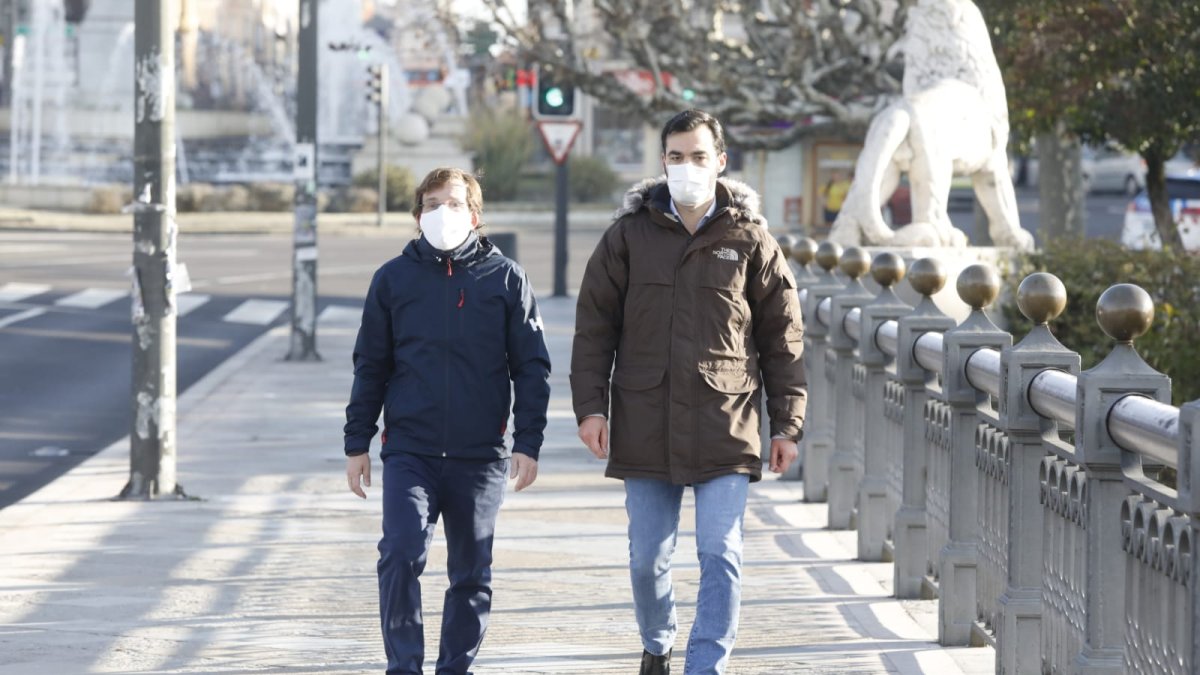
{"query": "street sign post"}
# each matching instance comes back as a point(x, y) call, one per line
point(559, 136)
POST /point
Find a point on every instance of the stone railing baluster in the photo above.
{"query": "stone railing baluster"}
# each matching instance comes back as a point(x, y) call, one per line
point(978, 286)
point(802, 251)
point(1124, 312)
point(845, 467)
point(874, 516)
point(1041, 298)
point(927, 276)
point(817, 444)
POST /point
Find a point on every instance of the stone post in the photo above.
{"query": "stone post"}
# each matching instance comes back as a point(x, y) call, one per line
point(874, 517)
point(978, 286)
point(1124, 312)
point(1189, 496)
point(927, 276)
point(845, 467)
point(1041, 298)
point(802, 252)
point(817, 444)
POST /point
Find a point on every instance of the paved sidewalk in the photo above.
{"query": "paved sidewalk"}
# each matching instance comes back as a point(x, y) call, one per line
point(272, 570)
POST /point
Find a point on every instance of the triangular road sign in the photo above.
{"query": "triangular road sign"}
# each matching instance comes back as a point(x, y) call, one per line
point(558, 137)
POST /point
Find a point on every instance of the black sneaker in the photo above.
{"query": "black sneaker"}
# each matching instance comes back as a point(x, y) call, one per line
point(653, 664)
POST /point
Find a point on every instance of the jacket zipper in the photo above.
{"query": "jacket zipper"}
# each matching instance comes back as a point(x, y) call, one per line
point(446, 411)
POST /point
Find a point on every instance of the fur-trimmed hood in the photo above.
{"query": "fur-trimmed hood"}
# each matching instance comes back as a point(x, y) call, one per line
point(732, 193)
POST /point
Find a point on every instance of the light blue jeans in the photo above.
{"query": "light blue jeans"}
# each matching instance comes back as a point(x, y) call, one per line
point(653, 508)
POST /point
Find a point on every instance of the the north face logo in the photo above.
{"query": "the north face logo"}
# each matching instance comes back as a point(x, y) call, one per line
point(726, 254)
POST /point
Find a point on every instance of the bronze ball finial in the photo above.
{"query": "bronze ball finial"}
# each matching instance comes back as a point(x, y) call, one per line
point(804, 251)
point(887, 269)
point(828, 255)
point(1125, 312)
point(978, 285)
point(786, 241)
point(855, 262)
point(927, 276)
point(1041, 297)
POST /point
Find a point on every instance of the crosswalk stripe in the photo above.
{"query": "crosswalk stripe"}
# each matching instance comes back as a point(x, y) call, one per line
point(21, 316)
point(186, 302)
point(257, 312)
point(341, 316)
point(15, 292)
point(92, 298)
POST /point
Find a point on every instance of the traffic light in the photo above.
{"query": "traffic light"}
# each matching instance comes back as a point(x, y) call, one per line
point(555, 97)
point(375, 83)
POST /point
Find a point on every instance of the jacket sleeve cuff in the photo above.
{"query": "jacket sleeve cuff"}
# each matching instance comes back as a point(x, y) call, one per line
point(528, 452)
point(356, 453)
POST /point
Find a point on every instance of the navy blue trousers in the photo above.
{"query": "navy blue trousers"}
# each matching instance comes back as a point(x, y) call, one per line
point(467, 495)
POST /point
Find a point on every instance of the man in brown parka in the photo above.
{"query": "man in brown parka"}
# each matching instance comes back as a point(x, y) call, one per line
point(691, 299)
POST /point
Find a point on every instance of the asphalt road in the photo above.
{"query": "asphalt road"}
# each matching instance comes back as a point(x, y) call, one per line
point(65, 330)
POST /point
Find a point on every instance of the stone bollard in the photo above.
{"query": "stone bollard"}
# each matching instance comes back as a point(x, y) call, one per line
point(1187, 567)
point(845, 467)
point(1041, 297)
point(1124, 312)
point(803, 251)
point(874, 515)
point(927, 276)
point(978, 286)
point(817, 444)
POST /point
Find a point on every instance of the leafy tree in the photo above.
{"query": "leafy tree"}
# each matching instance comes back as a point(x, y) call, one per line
point(774, 71)
point(1126, 71)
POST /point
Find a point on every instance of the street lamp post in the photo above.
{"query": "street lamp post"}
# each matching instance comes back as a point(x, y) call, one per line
point(303, 345)
point(156, 275)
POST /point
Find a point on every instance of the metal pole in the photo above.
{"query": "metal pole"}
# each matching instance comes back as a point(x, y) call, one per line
point(304, 240)
point(152, 443)
point(560, 231)
point(382, 110)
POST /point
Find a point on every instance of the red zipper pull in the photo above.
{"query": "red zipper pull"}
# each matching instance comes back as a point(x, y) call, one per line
point(449, 269)
point(462, 297)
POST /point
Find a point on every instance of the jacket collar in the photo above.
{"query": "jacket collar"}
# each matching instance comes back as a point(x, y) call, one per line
point(474, 249)
point(732, 194)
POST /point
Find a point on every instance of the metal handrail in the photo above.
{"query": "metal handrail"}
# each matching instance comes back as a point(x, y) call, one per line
point(1052, 395)
point(928, 351)
point(824, 310)
point(887, 337)
point(1147, 427)
point(983, 370)
point(852, 324)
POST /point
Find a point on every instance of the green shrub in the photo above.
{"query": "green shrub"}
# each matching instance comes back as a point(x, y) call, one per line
point(189, 196)
point(109, 199)
point(501, 143)
point(272, 196)
point(352, 200)
point(400, 186)
point(1089, 267)
point(591, 179)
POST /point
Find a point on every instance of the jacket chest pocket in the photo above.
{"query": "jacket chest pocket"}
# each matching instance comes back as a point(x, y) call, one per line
point(724, 268)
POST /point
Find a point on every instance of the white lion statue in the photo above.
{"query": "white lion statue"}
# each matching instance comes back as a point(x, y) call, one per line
point(952, 119)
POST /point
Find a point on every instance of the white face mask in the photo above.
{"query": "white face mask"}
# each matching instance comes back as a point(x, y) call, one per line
point(690, 185)
point(446, 229)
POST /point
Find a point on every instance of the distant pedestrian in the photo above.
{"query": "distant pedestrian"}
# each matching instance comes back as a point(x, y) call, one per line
point(687, 313)
point(834, 195)
point(447, 328)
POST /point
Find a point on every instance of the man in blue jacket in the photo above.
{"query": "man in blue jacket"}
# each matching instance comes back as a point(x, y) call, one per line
point(447, 327)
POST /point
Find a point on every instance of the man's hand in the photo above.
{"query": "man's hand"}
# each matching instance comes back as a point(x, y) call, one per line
point(783, 453)
point(524, 469)
point(593, 431)
point(358, 473)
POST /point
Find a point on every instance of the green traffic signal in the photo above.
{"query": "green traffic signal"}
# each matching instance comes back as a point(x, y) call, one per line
point(554, 97)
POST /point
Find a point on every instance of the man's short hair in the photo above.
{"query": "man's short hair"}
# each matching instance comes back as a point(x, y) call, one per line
point(692, 119)
point(443, 175)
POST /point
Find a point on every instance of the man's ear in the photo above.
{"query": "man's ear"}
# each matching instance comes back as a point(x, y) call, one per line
point(474, 220)
point(722, 160)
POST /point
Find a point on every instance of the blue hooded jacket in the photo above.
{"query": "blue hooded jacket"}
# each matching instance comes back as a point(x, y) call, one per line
point(442, 336)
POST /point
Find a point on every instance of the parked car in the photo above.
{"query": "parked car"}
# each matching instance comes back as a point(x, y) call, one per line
point(1112, 169)
point(1183, 191)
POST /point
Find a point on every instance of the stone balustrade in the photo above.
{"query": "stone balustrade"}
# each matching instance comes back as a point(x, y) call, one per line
point(1051, 512)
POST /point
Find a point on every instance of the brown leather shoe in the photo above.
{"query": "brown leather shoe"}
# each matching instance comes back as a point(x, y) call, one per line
point(653, 664)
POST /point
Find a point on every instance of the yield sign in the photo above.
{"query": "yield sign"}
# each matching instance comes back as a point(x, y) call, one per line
point(558, 137)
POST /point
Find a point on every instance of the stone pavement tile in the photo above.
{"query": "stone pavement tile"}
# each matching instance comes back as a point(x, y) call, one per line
point(272, 570)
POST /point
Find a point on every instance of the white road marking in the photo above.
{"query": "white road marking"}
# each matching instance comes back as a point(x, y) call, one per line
point(21, 316)
point(257, 312)
point(17, 292)
point(186, 302)
point(342, 316)
point(92, 298)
